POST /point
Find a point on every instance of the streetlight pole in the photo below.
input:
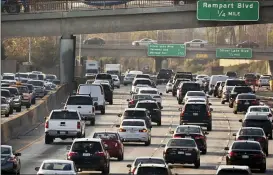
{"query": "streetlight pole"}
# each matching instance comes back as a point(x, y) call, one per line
point(29, 50)
point(80, 50)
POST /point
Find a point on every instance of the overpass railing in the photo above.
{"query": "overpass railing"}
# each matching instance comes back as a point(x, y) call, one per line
point(34, 6)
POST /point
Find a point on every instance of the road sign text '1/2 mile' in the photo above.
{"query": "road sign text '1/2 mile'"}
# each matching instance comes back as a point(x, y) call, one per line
point(228, 10)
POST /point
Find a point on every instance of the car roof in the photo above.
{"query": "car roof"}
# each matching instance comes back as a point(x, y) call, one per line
point(142, 79)
point(57, 161)
point(148, 88)
point(181, 139)
point(251, 128)
point(135, 109)
point(246, 94)
point(152, 165)
point(257, 116)
point(233, 167)
point(60, 110)
point(147, 101)
point(136, 120)
point(203, 99)
point(87, 139)
point(189, 126)
point(149, 158)
point(259, 106)
point(108, 132)
point(245, 141)
point(196, 91)
point(6, 146)
point(80, 95)
point(4, 89)
point(204, 103)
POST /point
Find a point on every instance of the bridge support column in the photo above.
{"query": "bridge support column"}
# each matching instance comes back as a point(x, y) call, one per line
point(67, 58)
point(158, 63)
point(270, 67)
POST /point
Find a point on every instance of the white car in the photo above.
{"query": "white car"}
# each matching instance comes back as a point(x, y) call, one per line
point(55, 166)
point(261, 110)
point(134, 130)
point(195, 94)
point(116, 81)
point(139, 82)
point(152, 92)
point(233, 169)
point(153, 167)
point(196, 43)
point(144, 42)
point(190, 100)
point(264, 81)
point(169, 86)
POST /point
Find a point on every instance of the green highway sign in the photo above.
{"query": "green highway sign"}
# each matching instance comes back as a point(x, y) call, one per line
point(167, 50)
point(228, 10)
point(233, 53)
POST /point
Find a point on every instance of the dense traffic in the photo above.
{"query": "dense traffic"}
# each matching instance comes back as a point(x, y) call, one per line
point(189, 139)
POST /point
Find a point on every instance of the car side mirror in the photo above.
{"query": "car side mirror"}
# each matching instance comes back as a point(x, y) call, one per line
point(234, 134)
point(117, 126)
point(37, 168)
point(206, 133)
point(226, 148)
point(17, 154)
point(171, 132)
point(129, 166)
point(160, 93)
point(210, 104)
point(240, 120)
point(207, 96)
point(68, 147)
point(119, 115)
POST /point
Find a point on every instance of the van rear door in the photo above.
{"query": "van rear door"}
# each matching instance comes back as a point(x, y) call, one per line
point(196, 113)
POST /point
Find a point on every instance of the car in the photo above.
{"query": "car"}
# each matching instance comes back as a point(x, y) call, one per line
point(153, 108)
point(138, 87)
point(244, 152)
point(196, 43)
point(21, 76)
point(144, 169)
point(141, 81)
point(57, 166)
point(184, 88)
point(138, 97)
point(39, 87)
point(27, 98)
point(50, 77)
point(113, 142)
point(216, 88)
point(63, 124)
point(94, 41)
point(134, 130)
point(233, 170)
point(116, 81)
point(128, 79)
point(225, 94)
point(5, 107)
point(244, 101)
point(169, 86)
point(247, 44)
point(231, 74)
point(176, 84)
point(253, 134)
point(183, 75)
point(8, 77)
point(10, 161)
point(89, 154)
point(144, 160)
point(144, 42)
point(183, 151)
point(198, 113)
point(143, 76)
point(137, 113)
point(108, 92)
point(220, 90)
point(190, 100)
point(152, 92)
point(264, 81)
point(180, 86)
point(84, 105)
point(32, 76)
point(105, 76)
point(213, 81)
point(195, 94)
point(164, 75)
point(258, 120)
point(238, 90)
point(13, 97)
point(250, 79)
point(192, 131)
point(261, 110)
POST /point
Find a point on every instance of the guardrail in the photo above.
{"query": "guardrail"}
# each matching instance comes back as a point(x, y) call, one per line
point(34, 6)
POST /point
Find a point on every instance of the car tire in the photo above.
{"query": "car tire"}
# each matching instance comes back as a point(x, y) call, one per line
point(11, 111)
point(137, 44)
point(18, 109)
point(118, 87)
point(235, 112)
point(263, 168)
point(214, 95)
point(28, 106)
point(179, 101)
point(197, 164)
point(102, 111)
point(204, 151)
point(92, 122)
point(6, 115)
point(121, 157)
point(159, 123)
point(209, 127)
point(106, 171)
point(83, 136)
point(222, 102)
point(48, 139)
point(148, 142)
point(266, 152)
point(187, 45)
point(167, 92)
point(173, 94)
point(33, 101)
point(111, 102)
point(230, 105)
point(270, 136)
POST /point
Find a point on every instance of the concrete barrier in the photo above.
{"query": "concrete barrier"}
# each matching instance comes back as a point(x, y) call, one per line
point(25, 121)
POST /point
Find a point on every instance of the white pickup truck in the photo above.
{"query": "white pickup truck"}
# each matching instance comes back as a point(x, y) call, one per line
point(83, 104)
point(63, 124)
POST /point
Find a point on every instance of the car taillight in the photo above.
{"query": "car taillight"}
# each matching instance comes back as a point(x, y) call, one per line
point(258, 155)
point(133, 171)
point(182, 113)
point(199, 137)
point(46, 124)
point(209, 114)
point(122, 130)
point(176, 136)
point(143, 130)
point(78, 125)
point(71, 154)
point(260, 140)
point(237, 102)
point(231, 154)
point(240, 138)
point(100, 154)
point(269, 115)
point(131, 102)
point(93, 109)
point(11, 159)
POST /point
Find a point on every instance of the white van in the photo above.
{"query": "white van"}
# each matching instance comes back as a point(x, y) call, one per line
point(213, 81)
point(97, 93)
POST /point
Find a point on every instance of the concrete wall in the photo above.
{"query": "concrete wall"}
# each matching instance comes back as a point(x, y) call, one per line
point(8, 66)
point(35, 115)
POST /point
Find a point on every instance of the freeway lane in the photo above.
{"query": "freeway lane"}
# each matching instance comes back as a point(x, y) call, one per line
point(224, 124)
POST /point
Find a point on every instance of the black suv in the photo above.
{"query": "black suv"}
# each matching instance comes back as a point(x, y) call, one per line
point(153, 108)
point(108, 93)
point(243, 101)
point(185, 87)
point(89, 154)
point(198, 113)
point(164, 76)
point(238, 90)
point(105, 76)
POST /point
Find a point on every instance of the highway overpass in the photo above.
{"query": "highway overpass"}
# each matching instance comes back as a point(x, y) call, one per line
point(111, 21)
point(141, 51)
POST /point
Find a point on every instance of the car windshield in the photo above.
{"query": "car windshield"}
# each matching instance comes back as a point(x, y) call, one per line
point(5, 150)
point(106, 136)
point(36, 83)
point(147, 82)
point(114, 76)
point(235, 83)
point(246, 146)
point(64, 115)
point(87, 147)
point(92, 71)
point(33, 76)
point(57, 166)
point(191, 86)
point(5, 93)
point(148, 161)
point(242, 89)
point(142, 97)
point(250, 76)
point(80, 100)
point(251, 97)
point(7, 77)
point(196, 94)
point(188, 130)
point(133, 123)
point(147, 105)
point(130, 75)
point(181, 143)
point(30, 87)
point(23, 89)
point(231, 74)
point(13, 91)
point(254, 132)
point(148, 92)
point(52, 77)
point(233, 172)
point(152, 171)
point(195, 108)
point(19, 75)
point(259, 109)
point(142, 76)
point(40, 77)
point(134, 113)
point(103, 76)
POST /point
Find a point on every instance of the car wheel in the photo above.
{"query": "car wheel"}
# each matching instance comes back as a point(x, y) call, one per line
point(167, 92)
point(28, 106)
point(125, 84)
point(13, 7)
point(102, 111)
point(266, 152)
point(222, 102)
point(204, 151)
point(106, 171)
point(92, 122)
point(6, 115)
point(159, 123)
point(111, 102)
point(187, 45)
point(179, 101)
point(263, 168)
point(83, 136)
point(270, 136)
point(18, 109)
point(48, 139)
point(209, 127)
point(137, 44)
point(234, 112)
point(148, 142)
point(173, 94)
point(118, 87)
point(121, 157)
point(197, 164)
point(230, 105)
point(33, 101)
point(11, 111)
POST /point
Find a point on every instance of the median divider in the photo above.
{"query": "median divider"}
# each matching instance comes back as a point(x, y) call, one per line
point(27, 119)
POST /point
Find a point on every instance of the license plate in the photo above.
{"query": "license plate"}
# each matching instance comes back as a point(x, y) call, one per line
point(250, 139)
point(62, 132)
point(195, 114)
point(188, 154)
point(85, 154)
point(245, 156)
point(180, 152)
point(247, 103)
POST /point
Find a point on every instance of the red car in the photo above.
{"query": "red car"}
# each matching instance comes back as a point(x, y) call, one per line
point(113, 141)
point(250, 79)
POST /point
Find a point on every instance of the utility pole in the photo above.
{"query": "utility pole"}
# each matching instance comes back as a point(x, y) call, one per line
point(29, 50)
point(80, 50)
